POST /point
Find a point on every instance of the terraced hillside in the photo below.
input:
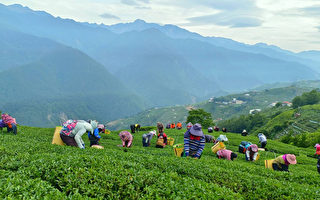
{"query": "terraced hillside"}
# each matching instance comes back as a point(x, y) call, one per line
point(30, 167)
point(294, 121)
point(224, 107)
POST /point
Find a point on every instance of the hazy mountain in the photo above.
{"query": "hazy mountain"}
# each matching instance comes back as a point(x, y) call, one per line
point(312, 55)
point(310, 58)
point(59, 79)
point(17, 48)
point(42, 24)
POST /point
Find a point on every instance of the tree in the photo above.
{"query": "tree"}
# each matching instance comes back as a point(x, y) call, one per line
point(200, 116)
point(307, 98)
point(311, 98)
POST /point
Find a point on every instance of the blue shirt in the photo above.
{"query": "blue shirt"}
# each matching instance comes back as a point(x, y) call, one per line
point(95, 133)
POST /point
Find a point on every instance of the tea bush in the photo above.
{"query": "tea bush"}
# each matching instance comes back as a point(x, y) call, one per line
point(32, 168)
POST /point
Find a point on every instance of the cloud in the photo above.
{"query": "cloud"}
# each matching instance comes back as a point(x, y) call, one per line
point(135, 2)
point(224, 19)
point(109, 16)
point(229, 5)
point(143, 8)
point(229, 13)
point(311, 11)
point(144, 1)
point(318, 27)
point(130, 2)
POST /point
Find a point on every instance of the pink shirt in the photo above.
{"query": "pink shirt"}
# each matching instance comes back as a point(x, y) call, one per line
point(126, 136)
point(8, 119)
point(318, 149)
point(224, 153)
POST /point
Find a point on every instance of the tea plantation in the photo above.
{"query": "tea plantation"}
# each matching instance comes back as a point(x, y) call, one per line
point(32, 168)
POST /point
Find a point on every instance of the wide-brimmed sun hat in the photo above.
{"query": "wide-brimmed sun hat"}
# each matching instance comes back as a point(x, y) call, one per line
point(291, 158)
point(196, 130)
point(254, 148)
point(100, 126)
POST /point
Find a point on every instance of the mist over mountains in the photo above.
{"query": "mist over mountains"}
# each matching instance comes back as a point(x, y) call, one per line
point(107, 72)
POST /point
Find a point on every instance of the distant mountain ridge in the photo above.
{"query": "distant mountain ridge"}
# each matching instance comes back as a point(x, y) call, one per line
point(150, 65)
point(179, 33)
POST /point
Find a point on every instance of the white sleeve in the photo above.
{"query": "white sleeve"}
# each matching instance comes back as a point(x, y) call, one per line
point(255, 156)
point(78, 137)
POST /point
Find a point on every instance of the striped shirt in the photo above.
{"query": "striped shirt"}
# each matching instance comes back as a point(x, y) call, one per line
point(193, 146)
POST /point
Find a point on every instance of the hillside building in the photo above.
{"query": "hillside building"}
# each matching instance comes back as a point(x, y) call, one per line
point(254, 111)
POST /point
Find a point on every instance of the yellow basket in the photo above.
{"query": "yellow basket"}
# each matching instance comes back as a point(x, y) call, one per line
point(217, 147)
point(178, 149)
point(258, 156)
point(56, 136)
point(268, 164)
point(170, 141)
point(106, 131)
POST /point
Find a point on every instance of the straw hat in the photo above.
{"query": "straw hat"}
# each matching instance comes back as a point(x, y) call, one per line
point(291, 158)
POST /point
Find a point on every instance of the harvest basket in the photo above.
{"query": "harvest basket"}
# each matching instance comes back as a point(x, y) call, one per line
point(170, 141)
point(217, 147)
point(56, 136)
point(178, 149)
point(268, 164)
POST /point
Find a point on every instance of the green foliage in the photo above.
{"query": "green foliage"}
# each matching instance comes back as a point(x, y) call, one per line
point(302, 140)
point(257, 99)
point(251, 122)
point(278, 104)
point(148, 128)
point(200, 116)
point(307, 98)
point(32, 168)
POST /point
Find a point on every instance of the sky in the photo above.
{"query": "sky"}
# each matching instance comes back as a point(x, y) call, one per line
point(290, 24)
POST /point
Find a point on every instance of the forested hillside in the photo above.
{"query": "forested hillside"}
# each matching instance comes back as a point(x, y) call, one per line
point(221, 108)
point(298, 125)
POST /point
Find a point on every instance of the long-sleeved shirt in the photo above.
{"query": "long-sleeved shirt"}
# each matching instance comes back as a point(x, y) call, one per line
point(95, 134)
point(318, 150)
point(147, 136)
point(193, 145)
point(262, 138)
point(250, 154)
point(2, 124)
point(165, 138)
point(224, 153)
point(7, 119)
point(126, 137)
point(280, 160)
point(81, 128)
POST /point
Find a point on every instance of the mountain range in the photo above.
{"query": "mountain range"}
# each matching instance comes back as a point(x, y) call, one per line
point(125, 68)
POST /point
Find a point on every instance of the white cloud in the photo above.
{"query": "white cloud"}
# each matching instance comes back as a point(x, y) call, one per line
point(290, 24)
point(109, 16)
